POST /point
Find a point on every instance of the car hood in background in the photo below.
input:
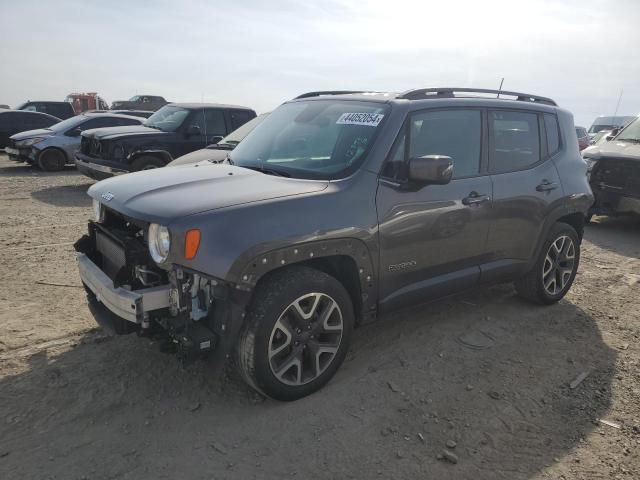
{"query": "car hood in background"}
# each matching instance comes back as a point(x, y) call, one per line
point(110, 133)
point(202, 155)
point(614, 149)
point(41, 132)
point(165, 194)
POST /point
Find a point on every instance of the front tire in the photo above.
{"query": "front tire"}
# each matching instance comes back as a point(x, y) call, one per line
point(52, 160)
point(297, 333)
point(555, 269)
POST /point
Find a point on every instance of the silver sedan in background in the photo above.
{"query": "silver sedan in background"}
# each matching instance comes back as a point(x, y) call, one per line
point(54, 147)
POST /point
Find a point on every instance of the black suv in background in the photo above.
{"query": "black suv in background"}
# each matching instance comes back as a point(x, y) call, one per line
point(140, 102)
point(334, 209)
point(173, 131)
point(614, 173)
point(61, 110)
point(16, 121)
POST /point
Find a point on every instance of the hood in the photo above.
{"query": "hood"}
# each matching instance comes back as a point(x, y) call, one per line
point(613, 149)
point(110, 133)
point(165, 194)
point(202, 155)
point(41, 132)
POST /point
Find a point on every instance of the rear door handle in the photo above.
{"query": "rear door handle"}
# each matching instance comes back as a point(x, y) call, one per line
point(474, 198)
point(546, 186)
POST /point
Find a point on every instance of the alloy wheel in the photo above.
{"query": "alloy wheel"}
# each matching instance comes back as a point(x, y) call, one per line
point(305, 339)
point(558, 265)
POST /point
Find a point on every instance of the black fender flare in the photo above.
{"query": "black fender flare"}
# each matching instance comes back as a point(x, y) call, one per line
point(249, 269)
point(159, 153)
point(574, 204)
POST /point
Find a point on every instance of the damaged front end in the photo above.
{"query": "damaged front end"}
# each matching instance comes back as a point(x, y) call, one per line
point(127, 291)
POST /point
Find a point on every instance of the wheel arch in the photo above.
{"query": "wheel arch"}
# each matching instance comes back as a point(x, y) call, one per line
point(570, 214)
point(163, 155)
point(347, 260)
point(58, 149)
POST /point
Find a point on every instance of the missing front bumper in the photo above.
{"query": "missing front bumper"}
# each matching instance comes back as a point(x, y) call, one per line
point(129, 305)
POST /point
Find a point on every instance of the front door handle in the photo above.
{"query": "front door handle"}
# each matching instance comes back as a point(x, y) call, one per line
point(546, 186)
point(474, 198)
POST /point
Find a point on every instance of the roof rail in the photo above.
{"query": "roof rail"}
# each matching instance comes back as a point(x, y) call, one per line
point(328, 92)
point(423, 93)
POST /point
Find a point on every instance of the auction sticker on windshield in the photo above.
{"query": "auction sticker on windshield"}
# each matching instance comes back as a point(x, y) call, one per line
point(369, 119)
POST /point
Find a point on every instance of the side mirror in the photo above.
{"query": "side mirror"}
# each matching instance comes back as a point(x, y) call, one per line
point(215, 139)
point(431, 169)
point(193, 130)
point(74, 132)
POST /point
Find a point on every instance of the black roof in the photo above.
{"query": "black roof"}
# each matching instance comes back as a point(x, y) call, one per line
point(9, 110)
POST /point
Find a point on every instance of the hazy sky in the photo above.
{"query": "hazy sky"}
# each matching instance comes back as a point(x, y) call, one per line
point(261, 53)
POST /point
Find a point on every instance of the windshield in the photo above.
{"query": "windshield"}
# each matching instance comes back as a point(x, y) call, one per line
point(242, 131)
point(134, 98)
point(313, 139)
point(167, 119)
point(631, 133)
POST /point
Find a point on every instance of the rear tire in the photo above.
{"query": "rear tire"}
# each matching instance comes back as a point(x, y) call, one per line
point(52, 160)
point(297, 333)
point(146, 162)
point(555, 269)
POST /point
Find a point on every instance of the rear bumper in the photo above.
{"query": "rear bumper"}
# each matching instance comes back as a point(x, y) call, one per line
point(129, 305)
point(98, 169)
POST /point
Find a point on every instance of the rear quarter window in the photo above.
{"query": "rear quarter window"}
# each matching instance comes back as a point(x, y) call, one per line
point(553, 133)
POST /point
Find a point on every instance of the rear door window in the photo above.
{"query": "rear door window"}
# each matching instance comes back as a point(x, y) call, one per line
point(239, 118)
point(214, 122)
point(514, 140)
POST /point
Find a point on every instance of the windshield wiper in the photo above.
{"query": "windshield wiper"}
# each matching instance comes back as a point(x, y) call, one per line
point(632, 140)
point(154, 126)
point(269, 171)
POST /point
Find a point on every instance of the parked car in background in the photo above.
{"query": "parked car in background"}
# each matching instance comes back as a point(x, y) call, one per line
point(54, 147)
point(174, 130)
point(583, 138)
point(337, 208)
point(614, 173)
point(3, 106)
point(83, 102)
point(140, 102)
point(134, 113)
point(61, 110)
point(15, 121)
point(604, 122)
point(217, 152)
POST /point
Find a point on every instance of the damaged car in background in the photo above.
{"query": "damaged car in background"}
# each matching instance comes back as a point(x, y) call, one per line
point(171, 132)
point(337, 207)
point(614, 173)
point(52, 148)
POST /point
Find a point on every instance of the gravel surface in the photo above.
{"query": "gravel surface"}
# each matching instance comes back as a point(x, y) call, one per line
point(478, 386)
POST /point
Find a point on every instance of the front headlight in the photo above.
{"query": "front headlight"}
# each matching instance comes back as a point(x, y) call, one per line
point(98, 211)
point(29, 142)
point(159, 242)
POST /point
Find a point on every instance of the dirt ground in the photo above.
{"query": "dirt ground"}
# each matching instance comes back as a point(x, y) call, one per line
point(483, 372)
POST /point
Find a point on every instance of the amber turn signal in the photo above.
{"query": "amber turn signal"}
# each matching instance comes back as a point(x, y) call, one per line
point(191, 243)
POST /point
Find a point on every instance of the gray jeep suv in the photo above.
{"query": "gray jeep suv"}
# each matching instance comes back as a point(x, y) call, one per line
point(338, 207)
